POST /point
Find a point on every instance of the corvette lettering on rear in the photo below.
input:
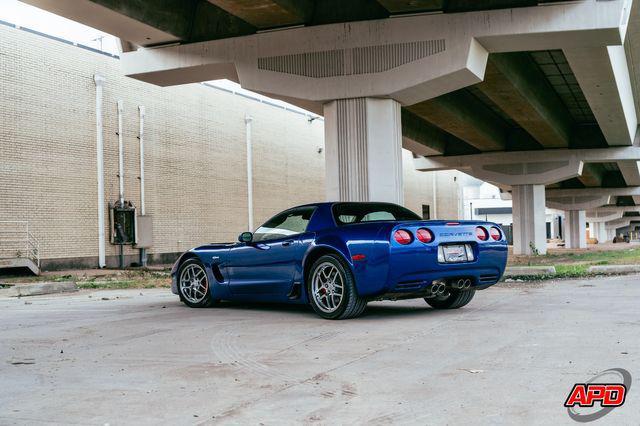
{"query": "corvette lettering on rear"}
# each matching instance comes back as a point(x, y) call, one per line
point(455, 234)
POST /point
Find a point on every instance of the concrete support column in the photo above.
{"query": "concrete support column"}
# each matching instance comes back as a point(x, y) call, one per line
point(529, 227)
point(363, 150)
point(598, 230)
point(576, 236)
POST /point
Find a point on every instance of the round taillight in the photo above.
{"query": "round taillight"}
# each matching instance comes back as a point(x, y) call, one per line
point(495, 233)
point(424, 235)
point(402, 237)
point(482, 234)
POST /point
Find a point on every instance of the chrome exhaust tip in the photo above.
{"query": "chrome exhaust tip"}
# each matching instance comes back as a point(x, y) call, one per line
point(458, 285)
point(467, 284)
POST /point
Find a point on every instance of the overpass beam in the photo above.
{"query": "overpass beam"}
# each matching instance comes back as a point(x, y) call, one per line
point(603, 75)
point(576, 234)
point(464, 116)
point(268, 13)
point(529, 220)
point(631, 172)
point(514, 83)
point(420, 137)
point(363, 150)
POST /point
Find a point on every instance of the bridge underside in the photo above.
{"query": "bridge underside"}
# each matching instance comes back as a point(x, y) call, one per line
point(538, 97)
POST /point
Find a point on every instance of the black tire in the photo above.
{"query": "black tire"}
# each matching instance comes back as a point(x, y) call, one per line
point(456, 299)
point(351, 305)
point(187, 298)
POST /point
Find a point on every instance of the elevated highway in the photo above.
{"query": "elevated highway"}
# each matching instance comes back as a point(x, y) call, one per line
point(538, 97)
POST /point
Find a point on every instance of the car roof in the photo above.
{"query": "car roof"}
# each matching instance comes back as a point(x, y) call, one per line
point(331, 203)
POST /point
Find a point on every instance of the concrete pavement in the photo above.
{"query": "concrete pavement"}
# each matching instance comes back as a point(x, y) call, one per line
point(140, 357)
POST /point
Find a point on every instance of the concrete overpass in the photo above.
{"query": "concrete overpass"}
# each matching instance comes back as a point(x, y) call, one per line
point(538, 97)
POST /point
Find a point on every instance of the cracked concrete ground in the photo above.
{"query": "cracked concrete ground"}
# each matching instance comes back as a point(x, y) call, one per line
point(141, 357)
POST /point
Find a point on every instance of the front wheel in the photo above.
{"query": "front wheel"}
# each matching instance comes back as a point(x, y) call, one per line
point(332, 290)
point(193, 285)
point(453, 300)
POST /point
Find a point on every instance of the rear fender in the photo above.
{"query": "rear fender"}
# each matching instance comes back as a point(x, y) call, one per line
point(367, 255)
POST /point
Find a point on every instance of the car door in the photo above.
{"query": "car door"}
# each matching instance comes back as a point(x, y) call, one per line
point(267, 265)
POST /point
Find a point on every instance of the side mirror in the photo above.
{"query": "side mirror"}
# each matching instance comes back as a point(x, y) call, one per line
point(245, 237)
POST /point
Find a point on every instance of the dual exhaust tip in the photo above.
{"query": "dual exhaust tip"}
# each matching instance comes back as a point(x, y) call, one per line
point(440, 287)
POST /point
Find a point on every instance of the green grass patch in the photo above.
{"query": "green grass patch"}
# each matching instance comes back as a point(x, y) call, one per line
point(624, 256)
point(115, 284)
point(571, 271)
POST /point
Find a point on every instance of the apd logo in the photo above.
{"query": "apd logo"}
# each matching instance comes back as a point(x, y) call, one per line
point(605, 396)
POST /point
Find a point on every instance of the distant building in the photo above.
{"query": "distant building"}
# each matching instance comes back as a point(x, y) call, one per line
point(484, 201)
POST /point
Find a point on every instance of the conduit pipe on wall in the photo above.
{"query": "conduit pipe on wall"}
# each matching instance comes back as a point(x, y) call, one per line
point(120, 153)
point(435, 195)
point(247, 121)
point(99, 82)
point(141, 138)
point(141, 112)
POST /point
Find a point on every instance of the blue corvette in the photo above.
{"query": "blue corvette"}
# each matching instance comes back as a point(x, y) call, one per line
point(339, 256)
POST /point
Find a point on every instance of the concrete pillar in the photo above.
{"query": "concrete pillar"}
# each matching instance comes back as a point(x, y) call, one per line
point(529, 227)
point(363, 150)
point(576, 236)
point(599, 231)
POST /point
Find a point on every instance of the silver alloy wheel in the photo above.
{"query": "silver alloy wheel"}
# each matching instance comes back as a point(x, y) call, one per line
point(193, 283)
point(327, 287)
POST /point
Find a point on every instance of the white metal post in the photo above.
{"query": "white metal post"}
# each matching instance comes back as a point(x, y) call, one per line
point(120, 154)
point(99, 82)
point(141, 138)
point(435, 195)
point(141, 112)
point(248, 120)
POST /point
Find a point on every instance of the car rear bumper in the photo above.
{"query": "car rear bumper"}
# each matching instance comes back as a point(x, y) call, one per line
point(479, 279)
point(414, 270)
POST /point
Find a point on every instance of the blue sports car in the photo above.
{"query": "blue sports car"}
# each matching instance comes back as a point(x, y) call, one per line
point(338, 256)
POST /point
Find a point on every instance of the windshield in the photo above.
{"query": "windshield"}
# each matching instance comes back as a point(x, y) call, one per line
point(346, 213)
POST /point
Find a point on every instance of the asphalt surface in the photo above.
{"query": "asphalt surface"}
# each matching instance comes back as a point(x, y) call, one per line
point(141, 357)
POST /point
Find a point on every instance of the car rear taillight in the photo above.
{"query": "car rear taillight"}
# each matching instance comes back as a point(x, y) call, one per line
point(402, 237)
point(482, 234)
point(495, 233)
point(424, 235)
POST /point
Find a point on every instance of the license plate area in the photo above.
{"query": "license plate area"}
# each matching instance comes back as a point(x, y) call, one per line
point(455, 253)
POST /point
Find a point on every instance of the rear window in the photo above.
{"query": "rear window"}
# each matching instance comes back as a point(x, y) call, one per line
point(346, 213)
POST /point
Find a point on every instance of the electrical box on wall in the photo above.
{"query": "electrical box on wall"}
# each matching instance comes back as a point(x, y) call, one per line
point(122, 218)
point(144, 230)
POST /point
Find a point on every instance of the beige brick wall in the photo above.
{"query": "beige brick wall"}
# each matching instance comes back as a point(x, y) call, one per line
point(195, 158)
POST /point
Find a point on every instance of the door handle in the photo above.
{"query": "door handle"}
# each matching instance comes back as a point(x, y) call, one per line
point(287, 243)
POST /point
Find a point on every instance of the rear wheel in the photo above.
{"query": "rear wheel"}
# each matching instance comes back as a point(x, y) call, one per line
point(193, 285)
point(332, 291)
point(453, 300)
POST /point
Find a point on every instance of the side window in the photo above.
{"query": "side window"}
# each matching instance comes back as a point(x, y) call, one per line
point(291, 222)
